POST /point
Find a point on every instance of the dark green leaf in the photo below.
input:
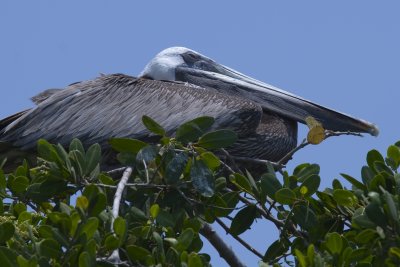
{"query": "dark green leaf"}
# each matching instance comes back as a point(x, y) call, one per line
point(366, 236)
point(7, 230)
point(270, 185)
point(354, 182)
point(136, 253)
point(312, 183)
point(243, 220)
point(76, 145)
point(285, 196)
point(393, 152)
point(92, 159)
point(50, 248)
point(85, 260)
point(241, 182)
point(391, 206)
point(305, 170)
point(375, 214)
point(217, 139)
point(304, 216)
point(146, 154)
point(202, 178)
point(112, 242)
point(47, 151)
point(127, 145)
point(153, 126)
point(175, 168)
point(19, 184)
point(191, 131)
point(367, 175)
point(195, 260)
point(344, 197)
point(8, 258)
point(165, 219)
point(120, 227)
point(138, 215)
point(211, 160)
point(90, 227)
point(374, 156)
point(334, 243)
point(275, 250)
point(185, 239)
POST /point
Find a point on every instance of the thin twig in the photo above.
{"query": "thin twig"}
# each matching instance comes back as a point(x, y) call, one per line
point(231, 159)
point(240, 240)
point(218, 243)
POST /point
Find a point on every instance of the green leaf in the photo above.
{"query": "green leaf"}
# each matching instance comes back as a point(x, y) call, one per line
point(136, 253)
point(8, 258)
point(391, 206)
point(165, 219)
point(185, 239)
point(367, 175)
point(374, 156)
point(312, 183)
point(305, 170)
point(354, 182)
point(270, 185)
point(46, 151)
point(301, 258)
point(285, 196)
point(275, 250)
point(361, 219)
point(50, 248)
point(194, 260)
point(160, 246)
point(366, 236)
point(154, 210)
point(175, 168)
point(112, 242)
point(7, 230)
point(92, 158)
point(190, 131)
point(393, 152)
point(127, 145)
point(211, 160)
point(138, 215)
point(304, 216)
point(217, 139)
point(76, 145)
point(19, 184)
point(202, 178)
point(82, 202)
point(85, 260)
point(120, 227)
point(375, 214)
point(344, 197)
point(90, 227)
point(243, 220)
point(153, 126)
point(334, 243)
point(3, 182)
point(241, 182)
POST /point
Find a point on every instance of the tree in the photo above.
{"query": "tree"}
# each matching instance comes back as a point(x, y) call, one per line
point(152, 211)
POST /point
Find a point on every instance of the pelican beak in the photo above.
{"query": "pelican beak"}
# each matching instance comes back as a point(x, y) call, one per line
point(270, 98)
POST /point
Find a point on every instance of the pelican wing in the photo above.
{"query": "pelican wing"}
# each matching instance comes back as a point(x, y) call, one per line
point(113, 105)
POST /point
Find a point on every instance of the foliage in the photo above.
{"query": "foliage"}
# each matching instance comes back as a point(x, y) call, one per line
point(60, 212)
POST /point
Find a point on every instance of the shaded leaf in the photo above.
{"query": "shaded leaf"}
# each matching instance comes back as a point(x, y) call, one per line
point(202, 178)
point(127, 145)
point(136, 253)
point(153, 126)
point(217, 139)
point(285, 196)
point(243, 220)
point(7, 230)
point(175, 168)
point(270, 185)
point(191, 131)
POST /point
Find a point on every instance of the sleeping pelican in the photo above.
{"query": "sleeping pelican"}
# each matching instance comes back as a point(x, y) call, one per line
point(177, 85)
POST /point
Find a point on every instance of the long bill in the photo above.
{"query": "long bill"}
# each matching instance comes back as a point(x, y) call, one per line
point(229, 81)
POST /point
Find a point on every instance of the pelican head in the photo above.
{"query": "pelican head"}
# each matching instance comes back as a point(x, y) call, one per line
point(186, 65)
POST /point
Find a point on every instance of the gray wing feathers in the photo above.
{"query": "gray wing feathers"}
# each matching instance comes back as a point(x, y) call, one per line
point(113, 105)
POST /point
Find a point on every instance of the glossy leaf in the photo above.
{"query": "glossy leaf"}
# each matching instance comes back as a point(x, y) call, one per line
point(217, 139)
point(270, 185)
point(243, 220)
point(127, 145)
point(192, 130)
point(153, 126)
point(175, 168)
point(202, 178)
point(285, 196)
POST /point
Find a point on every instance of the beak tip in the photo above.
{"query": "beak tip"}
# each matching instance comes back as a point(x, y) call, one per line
point(374, 131)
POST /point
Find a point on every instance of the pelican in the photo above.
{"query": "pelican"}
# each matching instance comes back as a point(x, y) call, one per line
point(176, 86)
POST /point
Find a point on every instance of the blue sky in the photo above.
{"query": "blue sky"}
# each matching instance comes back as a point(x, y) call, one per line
point(342, 54)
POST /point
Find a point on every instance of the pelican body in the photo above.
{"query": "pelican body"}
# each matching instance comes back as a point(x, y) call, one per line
point(176, 86)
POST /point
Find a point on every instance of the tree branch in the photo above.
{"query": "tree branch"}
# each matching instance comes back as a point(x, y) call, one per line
point(218, 243)
point(240, 240)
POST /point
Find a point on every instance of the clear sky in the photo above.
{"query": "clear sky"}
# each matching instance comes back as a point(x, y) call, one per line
point(342, 54)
